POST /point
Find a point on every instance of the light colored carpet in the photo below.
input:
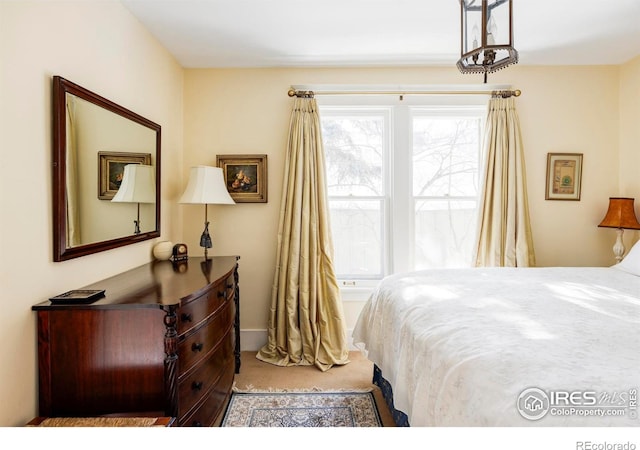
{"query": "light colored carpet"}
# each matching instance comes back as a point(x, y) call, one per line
point(256, 375)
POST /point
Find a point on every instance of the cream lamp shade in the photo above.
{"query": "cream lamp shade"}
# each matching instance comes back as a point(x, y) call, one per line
point(138, 186)
point(206, 187)
point(621, 215)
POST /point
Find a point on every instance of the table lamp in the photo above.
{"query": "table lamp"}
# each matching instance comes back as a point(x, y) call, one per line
point(138, 186)
point(621, 215)
point(206, 187)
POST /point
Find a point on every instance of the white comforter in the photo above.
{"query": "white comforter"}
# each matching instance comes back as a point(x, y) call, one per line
point(459, 345)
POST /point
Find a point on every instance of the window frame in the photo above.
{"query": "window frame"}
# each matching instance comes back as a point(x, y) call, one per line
point(398, 220)
point(452, 112)
point(385, 199)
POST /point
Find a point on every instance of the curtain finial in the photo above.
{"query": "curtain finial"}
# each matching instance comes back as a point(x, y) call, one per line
point(506, 94)
point(300, 94)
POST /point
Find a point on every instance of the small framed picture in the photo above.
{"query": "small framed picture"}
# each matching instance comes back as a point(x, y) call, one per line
point(245, 177)
point(111, 170)
point(564, 176)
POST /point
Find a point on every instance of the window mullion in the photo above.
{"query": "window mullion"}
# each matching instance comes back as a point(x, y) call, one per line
point(400, 192)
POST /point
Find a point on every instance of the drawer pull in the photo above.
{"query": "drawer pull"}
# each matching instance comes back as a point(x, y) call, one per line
point(186, 317)
point(196, 347)
point(221, 294)
point(197, 423)
point(196, 385)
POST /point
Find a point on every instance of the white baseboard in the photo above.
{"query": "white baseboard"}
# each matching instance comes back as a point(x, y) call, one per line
point(254, 340)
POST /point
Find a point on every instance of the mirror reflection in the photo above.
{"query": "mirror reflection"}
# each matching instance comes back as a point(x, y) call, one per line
point(99, 146)
point(94, 141)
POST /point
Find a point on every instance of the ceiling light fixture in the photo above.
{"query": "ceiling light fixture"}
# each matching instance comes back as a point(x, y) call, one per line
point(486, 36)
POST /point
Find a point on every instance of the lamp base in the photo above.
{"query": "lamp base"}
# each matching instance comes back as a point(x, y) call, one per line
point(205, 240)
point(137, 222)
point(618, 247)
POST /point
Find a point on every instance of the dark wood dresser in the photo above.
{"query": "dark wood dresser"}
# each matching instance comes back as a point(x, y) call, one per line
point(164, 340)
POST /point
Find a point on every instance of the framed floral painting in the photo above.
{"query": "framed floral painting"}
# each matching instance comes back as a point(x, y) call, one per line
point(245, 177)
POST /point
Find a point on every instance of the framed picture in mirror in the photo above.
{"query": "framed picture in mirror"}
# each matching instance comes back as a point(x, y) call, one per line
point(111, 170)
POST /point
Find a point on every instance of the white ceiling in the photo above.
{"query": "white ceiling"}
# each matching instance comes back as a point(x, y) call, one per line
point(286, 33)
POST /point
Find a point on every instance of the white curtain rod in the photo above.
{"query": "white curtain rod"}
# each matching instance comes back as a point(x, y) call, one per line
point(310, 91)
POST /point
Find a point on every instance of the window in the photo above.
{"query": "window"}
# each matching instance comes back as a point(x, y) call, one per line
point(357, 148)
point(403, 183)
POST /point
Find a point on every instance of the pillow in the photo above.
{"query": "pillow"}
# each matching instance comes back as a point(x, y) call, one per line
point(631, 262)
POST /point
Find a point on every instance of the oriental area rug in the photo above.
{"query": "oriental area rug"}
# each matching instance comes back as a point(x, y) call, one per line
point(302, 409)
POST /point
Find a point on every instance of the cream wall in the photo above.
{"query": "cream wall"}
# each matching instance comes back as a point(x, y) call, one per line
point(562, 109)
point(629, 93)
point(101, 47)
point(630, 128)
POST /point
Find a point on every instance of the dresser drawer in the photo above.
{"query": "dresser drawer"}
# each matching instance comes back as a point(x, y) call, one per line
point(195, 347)
point(229, 286)
point(213, 406)
point(205, 376)
point(197, 310)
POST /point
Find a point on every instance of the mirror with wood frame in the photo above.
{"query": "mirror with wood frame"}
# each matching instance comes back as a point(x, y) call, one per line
point(94, 139)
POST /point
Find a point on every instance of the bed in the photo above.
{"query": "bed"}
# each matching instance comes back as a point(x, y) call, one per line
point(471, 347)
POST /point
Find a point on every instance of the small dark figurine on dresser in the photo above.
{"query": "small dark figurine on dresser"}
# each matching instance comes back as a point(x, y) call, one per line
point(159, 343)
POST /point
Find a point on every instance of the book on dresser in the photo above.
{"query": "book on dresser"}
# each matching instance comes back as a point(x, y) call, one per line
point(164, 340)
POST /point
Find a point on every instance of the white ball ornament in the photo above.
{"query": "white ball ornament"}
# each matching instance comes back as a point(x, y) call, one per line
point(162, 250)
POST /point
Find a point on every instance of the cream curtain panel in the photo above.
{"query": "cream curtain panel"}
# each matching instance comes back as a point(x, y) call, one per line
point(306, 320)
point(73, 218)
point(504, 229)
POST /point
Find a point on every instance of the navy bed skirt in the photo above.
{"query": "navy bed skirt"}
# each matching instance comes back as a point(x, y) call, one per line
point(399, 417)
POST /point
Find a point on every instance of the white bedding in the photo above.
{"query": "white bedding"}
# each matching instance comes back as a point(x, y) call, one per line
point(459, 345)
